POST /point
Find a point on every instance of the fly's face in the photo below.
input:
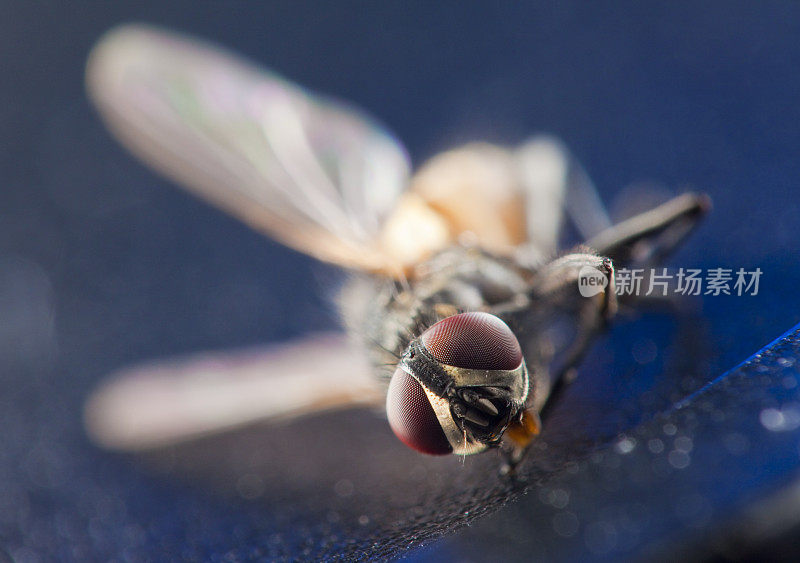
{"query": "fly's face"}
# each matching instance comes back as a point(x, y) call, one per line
point(459, 386)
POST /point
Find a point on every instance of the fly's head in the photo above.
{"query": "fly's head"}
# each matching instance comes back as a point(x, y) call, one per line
point(458, 386)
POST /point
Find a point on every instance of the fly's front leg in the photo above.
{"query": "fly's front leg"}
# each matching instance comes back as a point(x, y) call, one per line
point(557, 286)
point(646, 240)
point(595, 307)
point(651, 236)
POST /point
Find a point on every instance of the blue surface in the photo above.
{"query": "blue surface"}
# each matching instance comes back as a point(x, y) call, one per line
point(686, 483)
point(102, 263)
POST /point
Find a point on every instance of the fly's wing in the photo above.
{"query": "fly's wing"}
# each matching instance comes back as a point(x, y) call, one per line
point(506, 199)
point(159, 404)
point(475, 189)
point(555, 186)
point(311, 173)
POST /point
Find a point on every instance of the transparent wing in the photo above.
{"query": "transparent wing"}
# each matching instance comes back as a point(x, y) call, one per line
point(475, 189)
point(309, 172)
point(163, 403)
point(556, 184)
point(505, 200)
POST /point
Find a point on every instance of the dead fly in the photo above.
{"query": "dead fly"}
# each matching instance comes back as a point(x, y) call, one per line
point(455, 287)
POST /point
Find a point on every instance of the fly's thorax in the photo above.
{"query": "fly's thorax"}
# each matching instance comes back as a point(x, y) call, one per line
point(387, 314)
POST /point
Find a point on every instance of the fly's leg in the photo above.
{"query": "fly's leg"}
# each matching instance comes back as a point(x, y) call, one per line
point(649, 237)
point(556, 285)
point(645, 239)
point(593, 315)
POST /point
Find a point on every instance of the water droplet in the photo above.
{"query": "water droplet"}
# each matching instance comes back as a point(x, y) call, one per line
point(678, 459)
point(683, 444)
point(625, 445)
point(559, 498)
point(771, 419)
point(600, 537)
point(565, 524)
point(780, 420)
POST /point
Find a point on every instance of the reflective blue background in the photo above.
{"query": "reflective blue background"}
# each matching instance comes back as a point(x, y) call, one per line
point(102, 263)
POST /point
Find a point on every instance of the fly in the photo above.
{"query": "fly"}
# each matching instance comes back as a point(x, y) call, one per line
point(459, 302)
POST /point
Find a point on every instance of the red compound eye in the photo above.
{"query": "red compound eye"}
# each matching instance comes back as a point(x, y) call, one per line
point(473, 341)
point(412, 418)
